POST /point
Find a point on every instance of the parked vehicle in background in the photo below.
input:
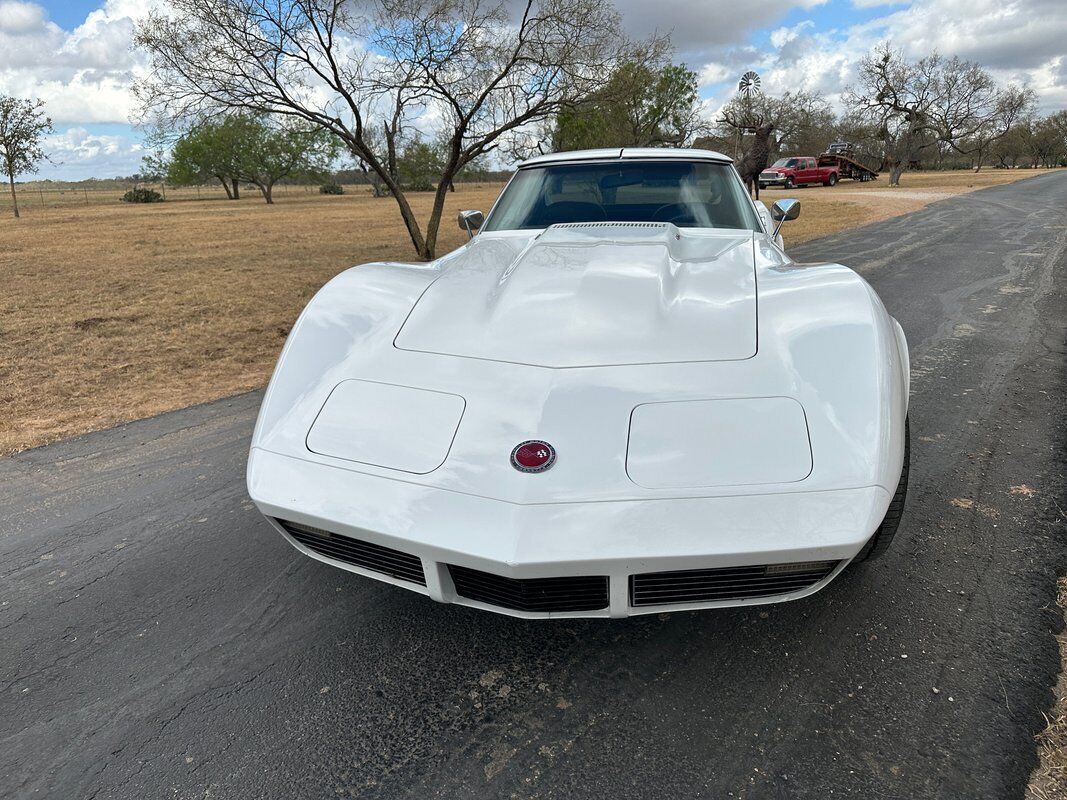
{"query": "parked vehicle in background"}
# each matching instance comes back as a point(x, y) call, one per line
point(797, 171)
point(841, 156)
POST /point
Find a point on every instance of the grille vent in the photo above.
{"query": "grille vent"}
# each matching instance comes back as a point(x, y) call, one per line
point(583, 593)
point(657, 225)
point(373, 557)
point(730, 583)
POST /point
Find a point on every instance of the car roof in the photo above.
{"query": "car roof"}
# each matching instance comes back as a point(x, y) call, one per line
point(622, 153)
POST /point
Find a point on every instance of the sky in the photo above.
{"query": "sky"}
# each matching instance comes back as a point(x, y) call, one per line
point(77, 55)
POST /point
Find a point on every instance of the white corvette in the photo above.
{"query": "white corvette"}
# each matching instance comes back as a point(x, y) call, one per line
point(620, 397)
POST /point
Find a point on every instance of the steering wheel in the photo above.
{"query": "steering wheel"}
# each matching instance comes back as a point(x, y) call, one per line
point(572, 211)
point(673, 213)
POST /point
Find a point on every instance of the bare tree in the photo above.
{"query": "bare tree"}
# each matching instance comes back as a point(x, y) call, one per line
point(471, 70)
point(933, 101)
point(1056, 126)
point(899, 97)
point(22, 126)
point(975, 113)
point(1047, 143)
point(1010, 148)
point(863, 137)
point(803, 121)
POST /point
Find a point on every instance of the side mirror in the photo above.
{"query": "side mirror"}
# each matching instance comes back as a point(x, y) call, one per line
point(784, 210)
point(470, 221)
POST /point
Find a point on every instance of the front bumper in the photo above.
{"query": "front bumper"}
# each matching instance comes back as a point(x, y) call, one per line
point(456, 535)
point(773, 180)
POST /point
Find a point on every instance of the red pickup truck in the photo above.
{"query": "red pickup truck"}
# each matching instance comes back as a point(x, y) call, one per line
point(797, 171)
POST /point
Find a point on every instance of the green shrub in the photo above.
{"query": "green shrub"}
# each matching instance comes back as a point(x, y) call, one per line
point(420, 184)
point(142, 195)
point(331, 188)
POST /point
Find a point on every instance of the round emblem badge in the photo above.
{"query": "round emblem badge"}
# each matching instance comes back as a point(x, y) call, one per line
point(533, 456)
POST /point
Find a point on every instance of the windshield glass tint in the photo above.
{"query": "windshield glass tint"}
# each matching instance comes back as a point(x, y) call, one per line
point(785, 162)
point(690, 194)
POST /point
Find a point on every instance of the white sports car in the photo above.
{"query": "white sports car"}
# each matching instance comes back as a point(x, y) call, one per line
point(620, 397)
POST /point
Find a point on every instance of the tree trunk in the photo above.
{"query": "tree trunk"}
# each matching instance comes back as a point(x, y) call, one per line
point(406, 212)
point(434, 223)
point(225, 185)
point(14, 197)
point(268, 190)
point(408, 215)
point(895, 171)
point(236, 189)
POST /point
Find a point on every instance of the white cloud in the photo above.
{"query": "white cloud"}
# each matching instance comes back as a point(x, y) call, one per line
point(17, 17)
point(1019, 41)
point(713, 73)
point(79, 143)
point(877, 3)
point(83, 75)
point(78, 153)
point(780, 37)
point(698, 28)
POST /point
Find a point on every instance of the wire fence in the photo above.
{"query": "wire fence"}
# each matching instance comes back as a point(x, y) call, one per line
point(50, 196)
point(60, 197)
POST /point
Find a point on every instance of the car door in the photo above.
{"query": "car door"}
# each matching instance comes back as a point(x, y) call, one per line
point(811, 171)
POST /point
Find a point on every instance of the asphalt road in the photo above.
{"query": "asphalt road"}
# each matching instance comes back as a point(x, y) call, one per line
point(160, 641)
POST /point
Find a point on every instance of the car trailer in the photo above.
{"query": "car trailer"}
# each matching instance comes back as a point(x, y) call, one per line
point(846, 166)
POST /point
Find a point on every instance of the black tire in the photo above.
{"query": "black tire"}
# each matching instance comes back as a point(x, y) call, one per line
point(832, 180)
point(762, 186)
point(790, 183)
point(883, 537)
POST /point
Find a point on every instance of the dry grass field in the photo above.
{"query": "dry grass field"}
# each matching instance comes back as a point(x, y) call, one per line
point(1049, 779)
point(113, 312)
point(116, 312)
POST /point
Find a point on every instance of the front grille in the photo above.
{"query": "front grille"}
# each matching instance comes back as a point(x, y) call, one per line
point(769, 176)
point(729, 583)
point(367, 555)
point(584, 593)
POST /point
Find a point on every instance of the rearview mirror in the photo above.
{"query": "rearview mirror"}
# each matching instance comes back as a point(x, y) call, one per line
point(470, 221)
point(784, 210)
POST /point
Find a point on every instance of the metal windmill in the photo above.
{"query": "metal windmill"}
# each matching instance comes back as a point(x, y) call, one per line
point(749, 84)
point(746, 87)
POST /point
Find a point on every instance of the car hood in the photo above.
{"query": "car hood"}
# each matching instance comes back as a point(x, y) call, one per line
point(592, 294)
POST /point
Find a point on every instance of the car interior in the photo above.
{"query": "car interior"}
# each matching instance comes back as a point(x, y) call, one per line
point(687, 194)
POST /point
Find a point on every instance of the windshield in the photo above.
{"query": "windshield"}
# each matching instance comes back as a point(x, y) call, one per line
point(785, 162)
point(690, 194)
